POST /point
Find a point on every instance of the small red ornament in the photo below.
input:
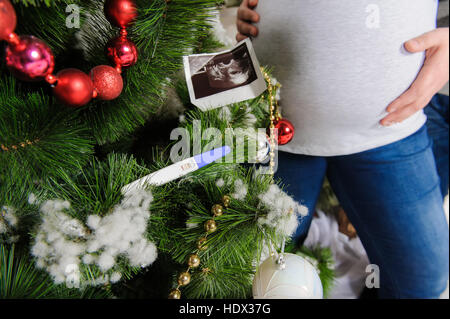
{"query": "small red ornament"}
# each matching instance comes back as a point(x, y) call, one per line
point(31, 59)
point(107, 82)
point(120, 13)
point(286, 131)
point(73, 87)
point(122, 52)
point(8, 19)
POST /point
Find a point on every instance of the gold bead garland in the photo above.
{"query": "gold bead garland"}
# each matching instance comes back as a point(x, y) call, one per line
point(184, 278)
point(210, 226)
point(217, 210)
point(226, 200)
point(175, 294)
point(193, 260)
point(201, 244)
point(274, 116)
point(15, 147)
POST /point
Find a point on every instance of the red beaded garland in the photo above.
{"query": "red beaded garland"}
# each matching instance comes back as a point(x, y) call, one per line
point(31, 59)
point(107, 82)
point(286, 131)
point(122, 52)
point(120, 13)
point(73, 87)
point(8, 19)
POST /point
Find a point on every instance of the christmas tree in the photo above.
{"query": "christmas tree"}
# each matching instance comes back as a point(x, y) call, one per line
point(67, 228)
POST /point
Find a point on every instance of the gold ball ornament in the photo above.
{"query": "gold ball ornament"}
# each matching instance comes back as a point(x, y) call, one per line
point(226, 200)
point(175, 294)
point(194, 261)
point(210, 226)
point(201, 244)
point(217, 210)
point(184, 278)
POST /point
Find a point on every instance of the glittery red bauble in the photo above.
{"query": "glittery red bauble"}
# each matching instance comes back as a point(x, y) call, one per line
point(107, 81)
point(8, 19)
point(122, 52)
point(31, 59)
point(73, 87)
point(286, 131)
point(120, 12)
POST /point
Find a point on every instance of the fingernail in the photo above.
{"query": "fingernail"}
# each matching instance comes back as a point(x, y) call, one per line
point(412, 44)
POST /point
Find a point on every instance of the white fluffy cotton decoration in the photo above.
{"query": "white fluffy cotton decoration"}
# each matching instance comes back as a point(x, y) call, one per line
point(283, 211)
point(64, 243)
point(219, 31)
point(32, 199)
point(220, 182)
point(8, 223)
point(240, 190)
point(191, 225)
point(3, 227)
point(115, 277)
point(9, 215)
point(225, 114)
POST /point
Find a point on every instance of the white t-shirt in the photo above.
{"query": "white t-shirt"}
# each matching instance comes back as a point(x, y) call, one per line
point(341, 63)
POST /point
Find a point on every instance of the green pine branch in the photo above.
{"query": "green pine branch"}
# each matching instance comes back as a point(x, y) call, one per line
point(37, 138)
point(164, 32)
point(36, 3)
point(19, 279)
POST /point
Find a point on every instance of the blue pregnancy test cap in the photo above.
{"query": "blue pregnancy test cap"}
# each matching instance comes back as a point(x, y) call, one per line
point(211, 156)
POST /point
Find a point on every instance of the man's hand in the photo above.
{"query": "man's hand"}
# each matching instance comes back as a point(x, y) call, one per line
point(431, 78)
point(245, 17)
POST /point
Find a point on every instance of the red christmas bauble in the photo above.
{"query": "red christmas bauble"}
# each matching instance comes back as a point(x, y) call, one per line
point(122, 52)
point(31, 59)
point(107, 82)
point(8, 19)
point(286, 131)
point(73, 87)
point(120, 12)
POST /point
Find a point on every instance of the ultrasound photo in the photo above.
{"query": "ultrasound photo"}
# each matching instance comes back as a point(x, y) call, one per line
point(219, 79)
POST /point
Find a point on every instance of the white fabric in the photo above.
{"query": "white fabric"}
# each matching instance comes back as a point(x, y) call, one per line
point(349, 256)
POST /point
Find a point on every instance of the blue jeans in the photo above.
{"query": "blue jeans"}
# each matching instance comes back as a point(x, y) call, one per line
point(437, 112)
point(392, 196)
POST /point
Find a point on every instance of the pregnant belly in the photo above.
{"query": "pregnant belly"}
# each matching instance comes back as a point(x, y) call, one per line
point(339, 84)
point(333, 68)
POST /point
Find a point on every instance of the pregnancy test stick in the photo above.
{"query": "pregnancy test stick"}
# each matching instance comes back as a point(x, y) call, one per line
point(177, 170)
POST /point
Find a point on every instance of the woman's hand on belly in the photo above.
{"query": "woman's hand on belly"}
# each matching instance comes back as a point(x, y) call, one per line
point(431, 78)
point(246, 16)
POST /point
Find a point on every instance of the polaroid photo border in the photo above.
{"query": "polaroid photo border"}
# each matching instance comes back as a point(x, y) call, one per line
point(228, 96)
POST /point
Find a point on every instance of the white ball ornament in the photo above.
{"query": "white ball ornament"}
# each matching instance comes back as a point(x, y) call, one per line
point(294, 278)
